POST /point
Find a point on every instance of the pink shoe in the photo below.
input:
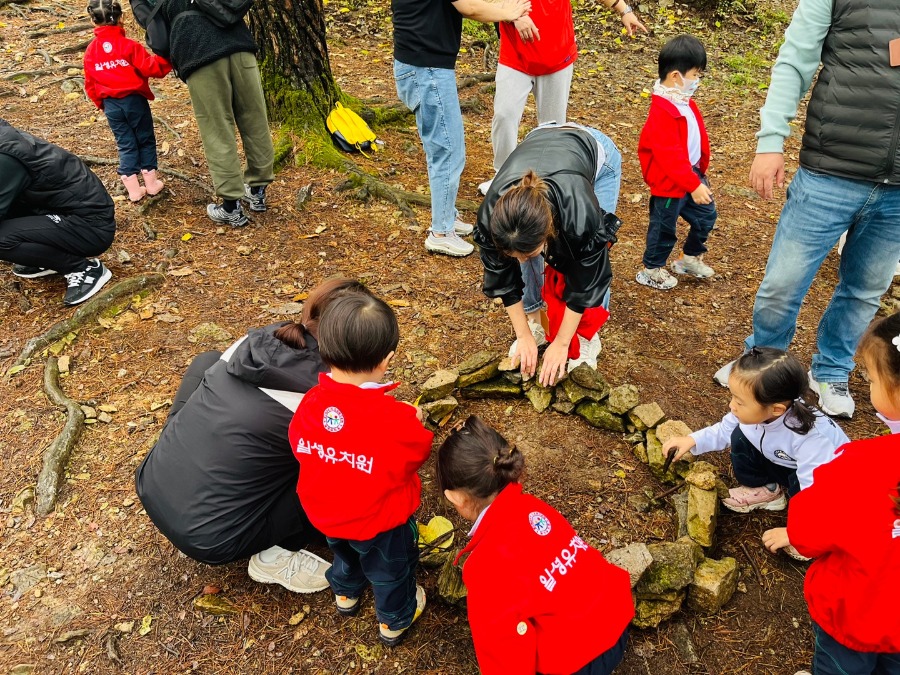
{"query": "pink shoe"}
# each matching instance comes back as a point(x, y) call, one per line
point(136, 191)
point(153, 184)
point(745, 499)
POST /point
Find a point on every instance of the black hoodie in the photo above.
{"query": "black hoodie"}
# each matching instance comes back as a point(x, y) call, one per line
point(223, 462)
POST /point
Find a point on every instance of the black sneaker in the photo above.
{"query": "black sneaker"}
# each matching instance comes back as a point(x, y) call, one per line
point(235, 218)
point(27, 272)
point(255, 197)
point(85, 283)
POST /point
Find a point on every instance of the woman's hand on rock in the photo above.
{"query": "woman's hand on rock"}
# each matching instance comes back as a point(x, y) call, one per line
point(554, 367)
point(526, 354)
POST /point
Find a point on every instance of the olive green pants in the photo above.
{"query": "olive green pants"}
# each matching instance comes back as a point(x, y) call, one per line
point(225, 93)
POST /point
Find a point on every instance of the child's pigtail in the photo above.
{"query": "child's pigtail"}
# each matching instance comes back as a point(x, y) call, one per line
point(509, 465)
point(802, 417)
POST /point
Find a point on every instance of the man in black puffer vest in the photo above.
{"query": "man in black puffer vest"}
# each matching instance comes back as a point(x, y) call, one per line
point(219, 66)
point(849, 179)
point(53, 213)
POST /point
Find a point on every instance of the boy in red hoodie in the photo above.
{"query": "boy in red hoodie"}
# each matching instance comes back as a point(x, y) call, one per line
point(359, 452)
point(116, 70)
point(674, 154)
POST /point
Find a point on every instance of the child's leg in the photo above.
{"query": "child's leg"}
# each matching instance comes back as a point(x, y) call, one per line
point(607, 662)
point(701, 218)
point(661, 232)
point(346, 574)
point(389, 561)
point(833, 658)
point(752, 469)
point(117, 116)
point(141, 120)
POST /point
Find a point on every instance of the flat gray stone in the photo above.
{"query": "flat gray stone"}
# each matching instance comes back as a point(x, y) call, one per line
point(623, 398)
point(439, 385)
point(634, 559)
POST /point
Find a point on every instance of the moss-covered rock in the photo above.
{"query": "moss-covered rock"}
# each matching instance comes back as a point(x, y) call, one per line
point(598, 415)
point(649, 414)
point(439, 385)
point(671, 429)
point(540, 397)
point(564, 407)
point(672, 568)
point(437, 411)
point(478, 361)
point(714, 583)
point(623, 398)
point(702, 513)
point(499, 387)
point(575, 393)
point(484, 373)
point(589, 378)
point(650, 613)
point(640, 451)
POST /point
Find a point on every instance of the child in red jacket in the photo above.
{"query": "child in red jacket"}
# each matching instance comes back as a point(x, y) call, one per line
point(569, 609)
point(359, 450)
point(115, 79)
point(849, 521)
point(674, 154)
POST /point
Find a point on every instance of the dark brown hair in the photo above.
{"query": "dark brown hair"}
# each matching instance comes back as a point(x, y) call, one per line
point(477, 459)
point(357, 332)
point(294, 334)
point(522, 220)
point(104, 12)
point(878, 351)
point(774, 376)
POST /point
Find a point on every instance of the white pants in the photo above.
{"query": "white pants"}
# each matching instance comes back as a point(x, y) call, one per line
point(551, 96)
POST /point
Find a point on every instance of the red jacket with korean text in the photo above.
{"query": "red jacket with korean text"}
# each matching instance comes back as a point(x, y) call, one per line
point(359, 451)
point(540, 599)
point(116, 66)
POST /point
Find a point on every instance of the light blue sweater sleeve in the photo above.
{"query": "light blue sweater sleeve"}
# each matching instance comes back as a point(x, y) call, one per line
point(797, 62)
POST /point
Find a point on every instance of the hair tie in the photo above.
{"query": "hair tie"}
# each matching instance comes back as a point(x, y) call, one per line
point(496, 457)
point(896, 342)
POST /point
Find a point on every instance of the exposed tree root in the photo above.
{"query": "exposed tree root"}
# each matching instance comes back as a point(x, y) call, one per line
point(104, 300)
point(368, 185)
point(57, 454)
point(37, 73)
point(65, 29)
point(75, 48)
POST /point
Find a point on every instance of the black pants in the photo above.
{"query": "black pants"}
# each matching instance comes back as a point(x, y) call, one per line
point(752, 469)
point(60, 243)
point(833, 658)
point(132, 124)
point(662, 233)
point(606, 663)
point(388, 561)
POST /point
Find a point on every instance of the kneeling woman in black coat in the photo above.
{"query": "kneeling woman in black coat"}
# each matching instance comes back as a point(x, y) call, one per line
point(221, 481)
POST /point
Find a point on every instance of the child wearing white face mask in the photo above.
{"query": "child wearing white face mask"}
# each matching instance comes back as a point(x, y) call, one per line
point(849, 520)
point(674, 154)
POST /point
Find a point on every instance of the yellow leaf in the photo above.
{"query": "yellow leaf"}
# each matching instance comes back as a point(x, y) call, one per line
point(145, 625)
point(15, 369)
point(61, 25)
point(399, 303)
point(187, 236)
point(436, 527)
point(620, 473)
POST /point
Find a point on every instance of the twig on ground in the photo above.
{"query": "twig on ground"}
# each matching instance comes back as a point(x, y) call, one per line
point(56, 456)
point(77, 47)
point(759, 576)
point(666, 493)
point(168, 128)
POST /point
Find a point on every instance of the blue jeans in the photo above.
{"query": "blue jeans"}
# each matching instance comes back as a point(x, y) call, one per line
point(662, 233)
point(607, 182)
point(431, 94)
point(132, 125)
point(818, 210)
point(833, 658)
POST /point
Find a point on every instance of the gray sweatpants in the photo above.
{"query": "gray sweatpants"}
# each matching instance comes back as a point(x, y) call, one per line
point(551, 97)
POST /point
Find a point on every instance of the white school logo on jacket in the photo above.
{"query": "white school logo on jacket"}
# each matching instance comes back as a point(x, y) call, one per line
point(333, 419)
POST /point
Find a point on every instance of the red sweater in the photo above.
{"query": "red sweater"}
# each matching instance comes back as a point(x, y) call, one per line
point(359, 451)
point(539, 598)
point(663, 150)
point(115, 66)
point(847, 522)
point(554, 51)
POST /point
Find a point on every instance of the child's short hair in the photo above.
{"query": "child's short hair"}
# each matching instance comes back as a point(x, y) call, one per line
point(879, 350)
point(477, 459)
point(774, 376)
point(105, 12)
point(681, 53)
point(357, 332)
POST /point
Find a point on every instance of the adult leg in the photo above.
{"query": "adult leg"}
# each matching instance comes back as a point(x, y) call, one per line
point(252, 120)
point(118, 117)
point(54, 242)
point(431, 94)
point(551, 95)
point(390, 561)
point(608, 179)
point(193, 376)
point(867, 268)
point(888, 664)
point(818, 209)
point(510, 96)
point(832, 658)
point(533, 276)
point(211, 98)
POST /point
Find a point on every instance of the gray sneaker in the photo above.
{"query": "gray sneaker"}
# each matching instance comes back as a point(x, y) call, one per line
point(693, 265)
point(255, 197)
point(658, 278)
point(236, 218)
point(450, 244)
point(462, 229)
point(834, 397)
point(297, 571)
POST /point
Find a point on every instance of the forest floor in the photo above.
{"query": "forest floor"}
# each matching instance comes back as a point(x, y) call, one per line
point(77, 587)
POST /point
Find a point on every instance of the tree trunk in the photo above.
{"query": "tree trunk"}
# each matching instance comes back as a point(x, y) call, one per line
point(294, 61)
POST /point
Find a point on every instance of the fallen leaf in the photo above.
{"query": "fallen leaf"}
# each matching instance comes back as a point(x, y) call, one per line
point(145, 625)
point(297, 618)
point(187, 236)
point(398, 303)
point(181, 272)
point(126, 627)
point(211, 589)
point(217, 605)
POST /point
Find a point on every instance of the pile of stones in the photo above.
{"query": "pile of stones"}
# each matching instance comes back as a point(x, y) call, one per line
point(664, 575)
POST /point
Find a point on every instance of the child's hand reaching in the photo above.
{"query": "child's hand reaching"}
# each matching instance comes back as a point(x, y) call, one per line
point(702, 195)
point(776, 539)
point(681, 444)
point(420, 414)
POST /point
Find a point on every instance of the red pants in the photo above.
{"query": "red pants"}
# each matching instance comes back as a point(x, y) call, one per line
point(591, 321)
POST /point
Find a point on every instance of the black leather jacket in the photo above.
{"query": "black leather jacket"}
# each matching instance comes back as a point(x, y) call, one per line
point(566, 158)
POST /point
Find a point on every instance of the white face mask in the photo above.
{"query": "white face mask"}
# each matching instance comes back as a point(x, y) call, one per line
point(688, 87)
point(893, 425)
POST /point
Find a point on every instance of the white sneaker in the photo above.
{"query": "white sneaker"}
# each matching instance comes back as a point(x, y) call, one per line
point(449, 244)
point(297, 571)
point(461, 228)
point(537, 332)
point(590, 350)
point(693, 265)
point(658, 278)
point(392, 638)
point(834, 397)
point(723, 373)
point(485, 186)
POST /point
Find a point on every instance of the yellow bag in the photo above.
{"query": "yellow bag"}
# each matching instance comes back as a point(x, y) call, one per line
point(349, 131)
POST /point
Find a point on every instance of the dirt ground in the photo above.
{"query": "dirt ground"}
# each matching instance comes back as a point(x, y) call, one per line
point(71, 583)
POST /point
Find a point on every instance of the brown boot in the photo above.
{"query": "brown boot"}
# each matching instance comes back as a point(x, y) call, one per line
point(136, 191)
point(153, 184)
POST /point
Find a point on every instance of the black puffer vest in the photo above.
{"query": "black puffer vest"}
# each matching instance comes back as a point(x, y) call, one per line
point(853, 119)
point(60, 182)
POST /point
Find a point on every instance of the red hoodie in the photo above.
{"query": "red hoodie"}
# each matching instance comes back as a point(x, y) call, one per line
point(116, 66)
point(847, 521)
point(554, 51)
point(663, 150)
point(359, 451)
point(540, 599)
